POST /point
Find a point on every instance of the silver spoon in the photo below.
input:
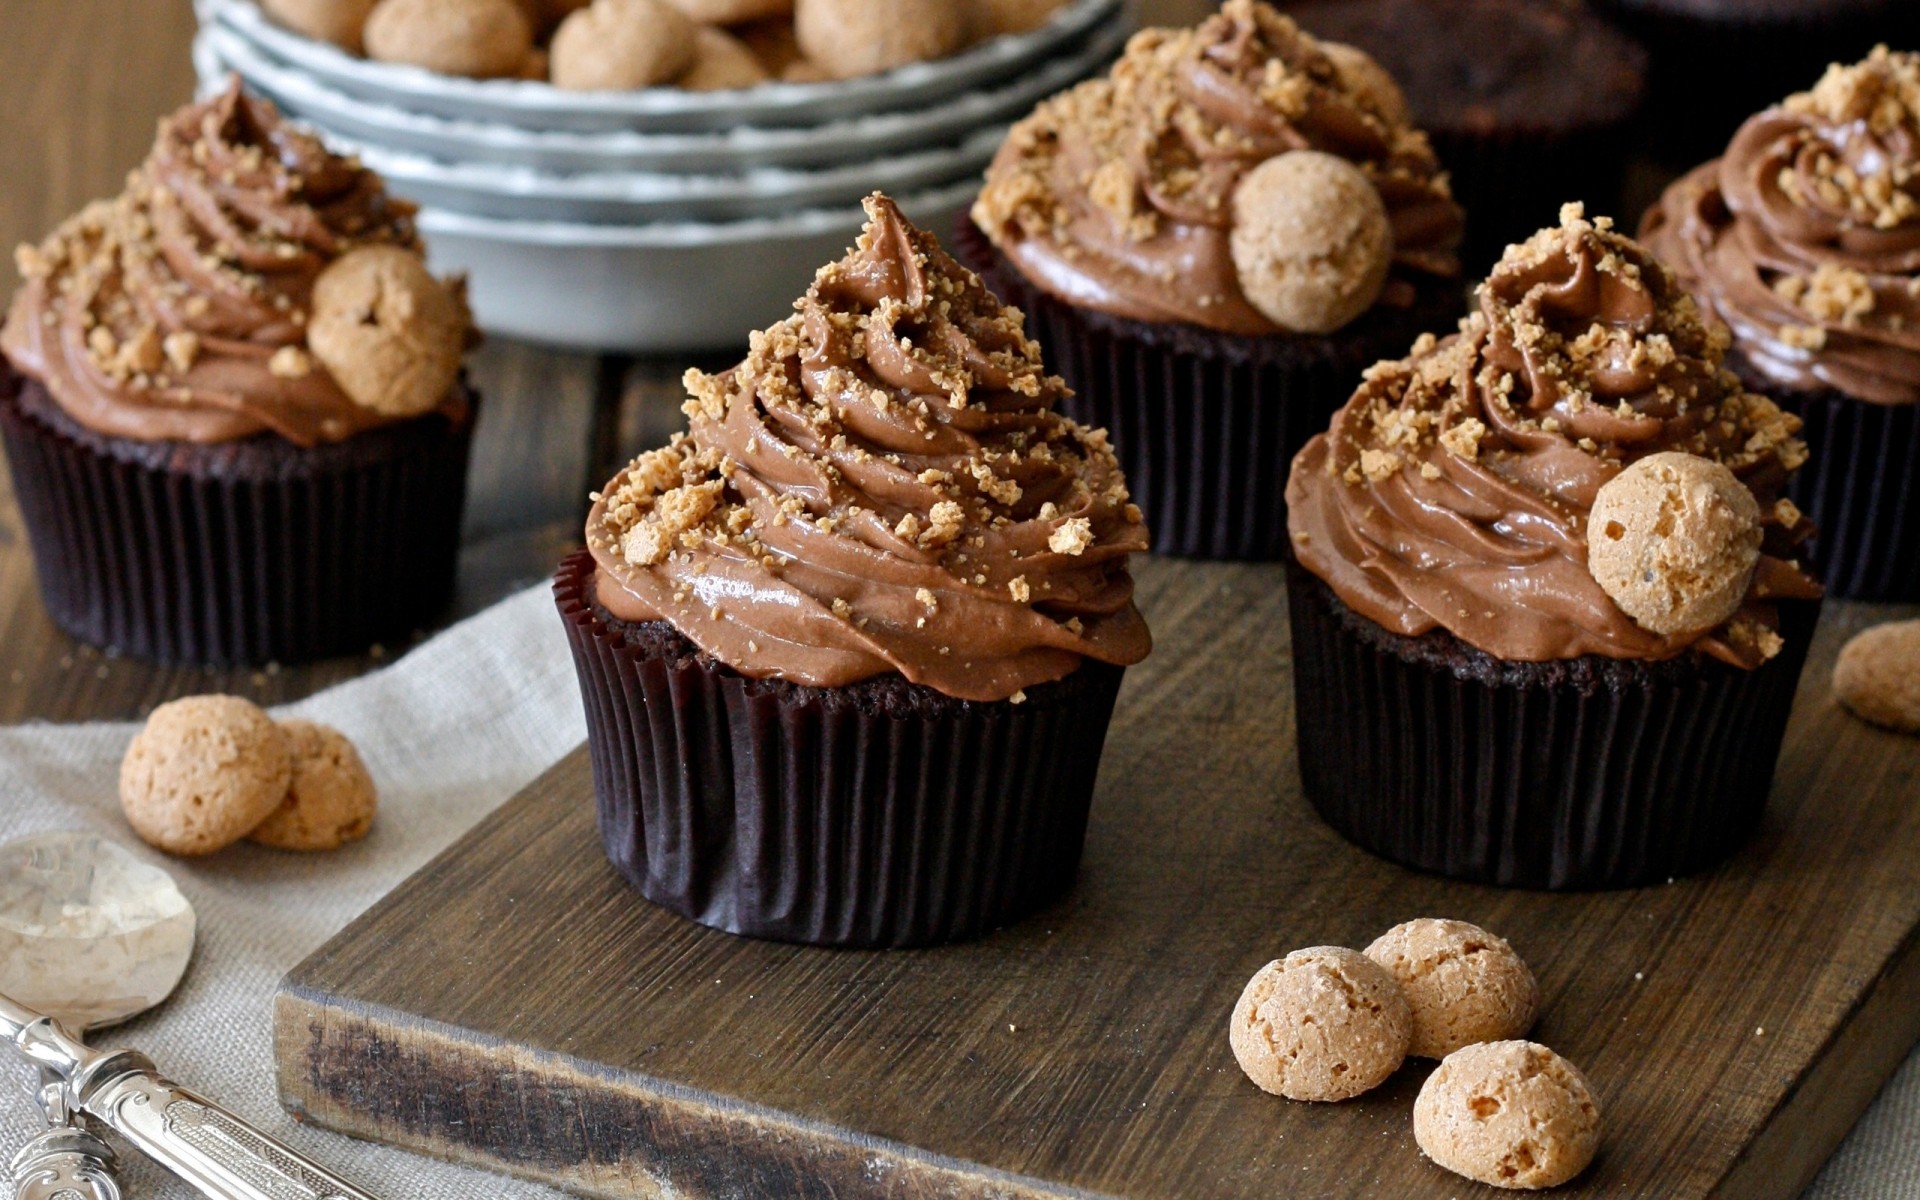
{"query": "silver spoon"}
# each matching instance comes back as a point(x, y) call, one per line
point(99, 937)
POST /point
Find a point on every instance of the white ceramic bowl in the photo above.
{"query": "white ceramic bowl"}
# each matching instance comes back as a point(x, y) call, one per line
point(652, 288)
point(663, 109)
point(849, 140)
point(633, 198)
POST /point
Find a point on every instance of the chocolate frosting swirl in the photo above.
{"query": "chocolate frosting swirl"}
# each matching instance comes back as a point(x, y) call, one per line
point(882, 485)
point(176, 311)
point(1805, 236)
point(1453, 490)
point(1117, 195)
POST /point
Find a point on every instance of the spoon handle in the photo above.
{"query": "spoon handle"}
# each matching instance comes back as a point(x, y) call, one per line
point(204, 1144)
point(196, 1139)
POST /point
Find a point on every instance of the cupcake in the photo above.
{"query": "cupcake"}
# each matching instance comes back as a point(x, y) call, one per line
point(1547, 613)
point(1527, 101)
point(849, 645)
point(1805, 239)
point(1211, 243)
point(1716, 61)
point(232, 406)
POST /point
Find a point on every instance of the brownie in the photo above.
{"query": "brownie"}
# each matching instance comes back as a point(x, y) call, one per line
point(1529, 102)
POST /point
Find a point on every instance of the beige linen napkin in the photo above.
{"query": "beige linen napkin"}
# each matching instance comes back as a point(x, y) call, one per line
point(450, 731)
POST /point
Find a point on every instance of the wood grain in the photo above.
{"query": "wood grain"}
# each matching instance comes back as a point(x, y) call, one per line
point(1734, 1025)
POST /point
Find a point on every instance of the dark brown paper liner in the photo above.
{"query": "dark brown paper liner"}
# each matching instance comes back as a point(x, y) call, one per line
point(1861, 486)
point(241, 553)
point(1512, 183)
point(827, 815)
point(1205, 424)
point(1711, 71)
point(1590, 773)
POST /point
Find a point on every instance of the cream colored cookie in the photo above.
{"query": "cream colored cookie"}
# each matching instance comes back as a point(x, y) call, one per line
point(203, 772)
point(1369, 82)
point(849, 38)
point(1510, 1114)
point(619, 45)
point(389, 333)
point(1674, 539)
point(805, 70)
point(994, 18)
point(1878, 675)
point(1463, 984)
point(721, 62)
point(1325, 1023)
point(338, 21)
point(482, 39)
point(732, 12)
point(331, 800)
point(1311, 242)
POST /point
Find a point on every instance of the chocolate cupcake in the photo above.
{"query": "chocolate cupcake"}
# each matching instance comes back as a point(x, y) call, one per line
point(1547, 614)
point(850, 645)
point(1211, 243)
point(231, 403)
point(1527, 101)
point(1805, 239)
point(1716, 61)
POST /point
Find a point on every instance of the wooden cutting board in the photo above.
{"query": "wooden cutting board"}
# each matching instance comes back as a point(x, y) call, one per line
point(514, 1005)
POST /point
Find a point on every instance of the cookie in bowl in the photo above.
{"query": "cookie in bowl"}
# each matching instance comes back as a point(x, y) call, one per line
point(1212, 242)
point(1548, 604)
point(849, 646)
point(232, 404)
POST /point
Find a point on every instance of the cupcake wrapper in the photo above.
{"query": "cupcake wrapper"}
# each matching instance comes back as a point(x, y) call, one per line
point(1712, 72)
point(1513, 183)
point(237, 554)
point(1861, 486)
point(791, 813)
point(1594, 774)
point(1205, 424)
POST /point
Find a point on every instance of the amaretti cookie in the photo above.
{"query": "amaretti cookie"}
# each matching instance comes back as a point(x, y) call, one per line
point(849, 646)
point(1804, 237)
point(1511, 1114)
point(1324, 1023)
point(1878, 675)
point(1212, 242)
point(203, 772)
point(231, 403)
point(1529, 649)
point(1463, 984)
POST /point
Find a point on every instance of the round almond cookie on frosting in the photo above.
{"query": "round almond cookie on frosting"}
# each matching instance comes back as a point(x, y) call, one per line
point(1324, 1023)
point(1804, 237)
point(1213, 240)
point(1463, 984)
point(173, 367)
point(878, 545)
point(1493, 647)
point(203, 772)
point(1510, 1114)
